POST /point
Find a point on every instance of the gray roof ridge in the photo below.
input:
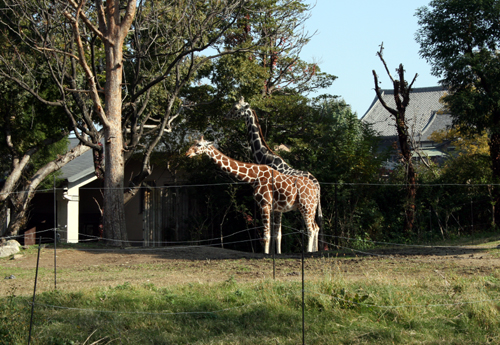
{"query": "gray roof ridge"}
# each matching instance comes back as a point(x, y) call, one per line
point(434, 118)
point(429, 123)
point(372, 104)
point(80, 167)
point(413, 90)
point(416, 89)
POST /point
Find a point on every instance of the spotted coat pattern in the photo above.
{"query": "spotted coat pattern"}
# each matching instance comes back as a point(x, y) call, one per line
point(262, 154)
point(290, 192)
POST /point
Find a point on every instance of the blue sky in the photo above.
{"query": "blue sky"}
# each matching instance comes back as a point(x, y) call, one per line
point(348, 37)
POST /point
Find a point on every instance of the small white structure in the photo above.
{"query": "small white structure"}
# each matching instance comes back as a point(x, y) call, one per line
point(157, 211)
point(77, 173)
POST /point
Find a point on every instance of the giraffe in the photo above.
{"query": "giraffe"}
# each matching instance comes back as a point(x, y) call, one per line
point(262, 154)
point(290, 192)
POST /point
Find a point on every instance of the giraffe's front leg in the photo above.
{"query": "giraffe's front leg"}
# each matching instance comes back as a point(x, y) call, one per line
point(277, 230)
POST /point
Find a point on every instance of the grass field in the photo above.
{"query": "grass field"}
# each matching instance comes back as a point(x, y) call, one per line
point(434, 298)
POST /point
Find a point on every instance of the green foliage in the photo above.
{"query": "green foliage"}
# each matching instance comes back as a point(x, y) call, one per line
point(270, 30)
point(471, 169)
point(327, 139)
point(32, 127)
point(27, 121)
point(237, 75)
point(460, 38)
point(323, 136)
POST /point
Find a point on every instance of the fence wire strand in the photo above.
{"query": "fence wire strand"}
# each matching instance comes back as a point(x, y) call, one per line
point(182, 244)
point(310, 292)
point(172, 245)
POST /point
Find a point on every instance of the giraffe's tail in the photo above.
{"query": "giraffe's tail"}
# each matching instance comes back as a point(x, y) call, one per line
point(319, 220)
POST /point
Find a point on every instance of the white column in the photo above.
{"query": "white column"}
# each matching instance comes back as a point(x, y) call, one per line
point(72, 196)
point(70, 209)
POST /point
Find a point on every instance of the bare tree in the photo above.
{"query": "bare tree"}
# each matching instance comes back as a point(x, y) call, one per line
point(402, 99)
point(105, 62)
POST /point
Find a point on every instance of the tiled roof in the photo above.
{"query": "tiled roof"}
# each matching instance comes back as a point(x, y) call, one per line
point(424, 104)
point(437, 122)
point(79, 167)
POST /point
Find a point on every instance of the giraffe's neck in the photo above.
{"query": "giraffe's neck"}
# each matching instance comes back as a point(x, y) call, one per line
point(262, 154)
point(242, 171)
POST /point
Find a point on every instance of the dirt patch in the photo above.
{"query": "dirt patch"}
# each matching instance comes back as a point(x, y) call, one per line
point(68, 258)
point(80, 268)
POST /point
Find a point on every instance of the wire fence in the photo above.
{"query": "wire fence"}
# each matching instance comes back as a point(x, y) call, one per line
point(201, 213)
point(173, 245)
point(358, 218)
point(295, 294)
point(306, 293)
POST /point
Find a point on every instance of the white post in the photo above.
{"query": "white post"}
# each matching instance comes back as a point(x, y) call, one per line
point(72, 196)
point(69, 209)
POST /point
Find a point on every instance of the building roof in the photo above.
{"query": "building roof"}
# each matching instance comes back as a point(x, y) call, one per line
point(422, 114)
point(79, 167)
point(437, 122)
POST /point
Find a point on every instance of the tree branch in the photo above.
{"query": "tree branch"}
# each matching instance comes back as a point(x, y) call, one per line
point(380, 96)
point(381, 56)
point(88, 72)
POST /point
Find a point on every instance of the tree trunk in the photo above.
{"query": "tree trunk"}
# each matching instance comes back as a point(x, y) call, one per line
point(113, 212)
point(402, 99)
point(495, 165)
point(19, 218)
point(22, 200)
point(14, 176)
point(114, 23)
point(411, 196)
point(406, 152)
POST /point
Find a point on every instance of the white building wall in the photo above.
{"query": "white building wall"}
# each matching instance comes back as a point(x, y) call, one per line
point(68, 209)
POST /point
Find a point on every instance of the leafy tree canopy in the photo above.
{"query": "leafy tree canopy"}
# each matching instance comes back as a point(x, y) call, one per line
point(28, 127)
point(275, 37)
point(326, 138)
point(463, 145)
point(460, 38)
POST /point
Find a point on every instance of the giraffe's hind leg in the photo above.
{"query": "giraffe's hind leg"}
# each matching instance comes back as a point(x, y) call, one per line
point(315, 237)
point(265, 212)
point(308, 228)
point(277, 231)
point(312, 231)
point(307, 208)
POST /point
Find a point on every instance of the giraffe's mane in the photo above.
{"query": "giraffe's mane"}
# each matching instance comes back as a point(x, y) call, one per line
point(233, 159)
point(261, 134)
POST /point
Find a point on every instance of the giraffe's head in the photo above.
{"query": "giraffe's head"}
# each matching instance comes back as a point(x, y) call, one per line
point(199, 147)
point(238, 110)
